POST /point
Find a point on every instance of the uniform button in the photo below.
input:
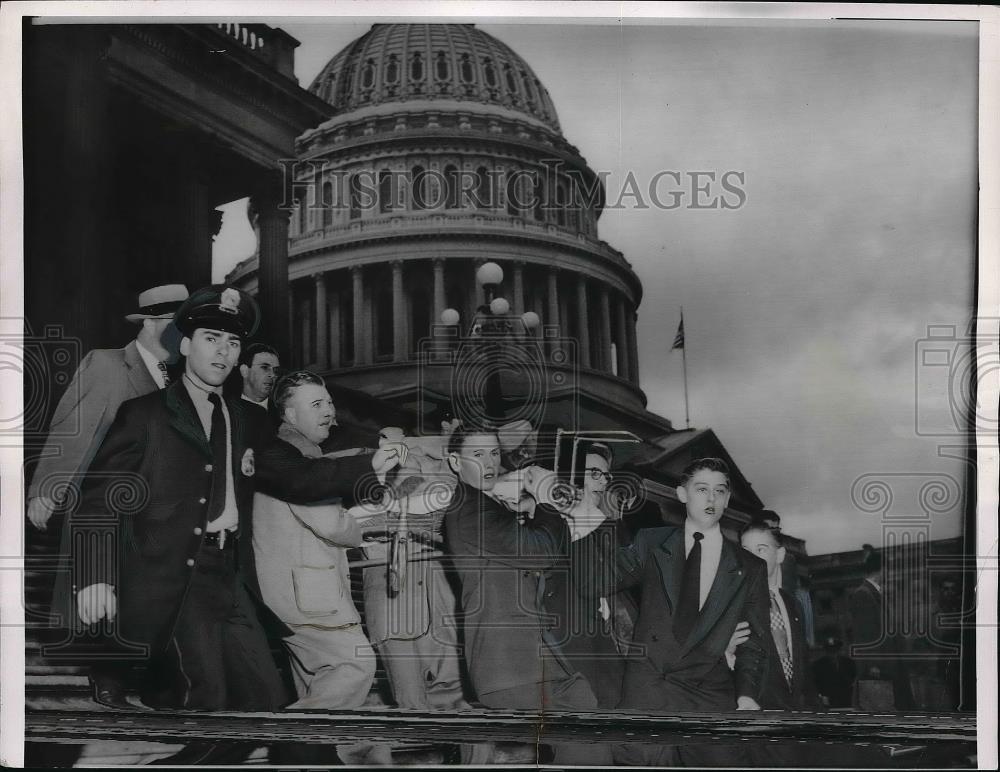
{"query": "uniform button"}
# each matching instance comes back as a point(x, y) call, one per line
point(190, 562)
point(202, 500)
point(197, 531)
point(208, 467)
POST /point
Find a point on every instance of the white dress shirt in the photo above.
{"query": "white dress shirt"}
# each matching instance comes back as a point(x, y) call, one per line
point(711, 552)
point(153, 365)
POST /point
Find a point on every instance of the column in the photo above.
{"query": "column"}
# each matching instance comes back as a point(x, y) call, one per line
point(357, 281)
point(518, 288)
point(633, 348)
point(552, 313)
point(398, 313)
point(193, 222)
point(81, 236)
point(583, 322)
point(322, 324)
point(605, 320)
point(439, 296)
point(621, 339)
point(307, 326)
point(334, 306)
point(272, 271)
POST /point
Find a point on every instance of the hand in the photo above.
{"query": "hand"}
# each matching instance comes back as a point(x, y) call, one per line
point(40, 509)
point(746, 703)
point(95, 602)
point(740, 635)
point(388, 457)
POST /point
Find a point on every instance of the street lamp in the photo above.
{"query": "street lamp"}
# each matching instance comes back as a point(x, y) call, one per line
point(492, 322)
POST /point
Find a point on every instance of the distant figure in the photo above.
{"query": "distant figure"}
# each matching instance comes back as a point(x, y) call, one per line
point(834, 674)
point(875, 648)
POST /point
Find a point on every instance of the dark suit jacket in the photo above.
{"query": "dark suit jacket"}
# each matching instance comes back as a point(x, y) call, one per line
point(150, 485)
point(666, 675)
point(501, 566)
point(874, 646)
point(777, 693)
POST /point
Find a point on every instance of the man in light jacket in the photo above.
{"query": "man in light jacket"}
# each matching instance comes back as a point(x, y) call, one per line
point(300, 539)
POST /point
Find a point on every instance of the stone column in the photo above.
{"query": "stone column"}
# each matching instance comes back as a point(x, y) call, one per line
point(621, 339)
point(193, 223)
point(583, 321)
point(633, 348)
point(272, 272)
point(80, 236)
point(604, 361)
point(307, 326)
point(439, 294)
point(552, 313)
point(322, 323)
point(518, 288)
point(357, 280)
point(334, 306)
point(399, 352)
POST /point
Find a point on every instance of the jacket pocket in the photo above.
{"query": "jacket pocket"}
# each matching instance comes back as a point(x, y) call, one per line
point(317, 590)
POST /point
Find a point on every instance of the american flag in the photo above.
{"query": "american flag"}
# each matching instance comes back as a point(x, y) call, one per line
point(679, 338)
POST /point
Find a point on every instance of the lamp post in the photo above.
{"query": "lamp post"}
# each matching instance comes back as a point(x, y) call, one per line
point(492, 324)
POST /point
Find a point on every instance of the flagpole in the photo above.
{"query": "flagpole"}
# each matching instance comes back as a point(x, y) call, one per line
point(684, 359)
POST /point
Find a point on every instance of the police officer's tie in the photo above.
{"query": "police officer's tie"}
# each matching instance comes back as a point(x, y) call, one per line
point(780, 634)
point(688, 608)
point(218, 443)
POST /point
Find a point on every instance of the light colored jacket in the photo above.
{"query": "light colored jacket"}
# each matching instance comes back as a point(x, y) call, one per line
point(301, 556)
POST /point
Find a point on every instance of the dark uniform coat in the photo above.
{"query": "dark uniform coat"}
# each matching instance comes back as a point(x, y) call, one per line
point(149, 486)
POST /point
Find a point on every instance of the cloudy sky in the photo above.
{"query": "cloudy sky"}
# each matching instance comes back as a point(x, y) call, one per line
point(805, 307)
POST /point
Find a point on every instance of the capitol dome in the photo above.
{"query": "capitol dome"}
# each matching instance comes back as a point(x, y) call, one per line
point(433, 62)
point(442, 151)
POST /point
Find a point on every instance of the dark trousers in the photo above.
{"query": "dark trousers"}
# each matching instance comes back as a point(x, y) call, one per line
point(218, 657)
point(570, 693)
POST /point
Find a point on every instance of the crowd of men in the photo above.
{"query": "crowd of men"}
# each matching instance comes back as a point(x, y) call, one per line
point(490, 579)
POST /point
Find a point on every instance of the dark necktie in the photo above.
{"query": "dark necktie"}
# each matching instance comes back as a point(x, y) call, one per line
point(217, 441)
point(162, 366)
point(689, 606)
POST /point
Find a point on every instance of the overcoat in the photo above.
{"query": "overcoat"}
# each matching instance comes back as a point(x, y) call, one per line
point(104, 380)
point(501, 565)
point(148, 489)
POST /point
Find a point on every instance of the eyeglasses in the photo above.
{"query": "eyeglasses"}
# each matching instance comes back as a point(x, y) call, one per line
point(598, 474)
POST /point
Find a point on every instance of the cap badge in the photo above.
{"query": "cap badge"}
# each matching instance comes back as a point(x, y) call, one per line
point(229, 301)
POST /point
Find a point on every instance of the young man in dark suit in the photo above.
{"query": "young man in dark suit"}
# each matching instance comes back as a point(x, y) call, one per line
point(510, 647)
point(173, 482)
point(696, 587)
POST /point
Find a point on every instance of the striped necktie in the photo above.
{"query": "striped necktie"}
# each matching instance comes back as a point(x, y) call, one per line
point(780, 634)
point(162, 366)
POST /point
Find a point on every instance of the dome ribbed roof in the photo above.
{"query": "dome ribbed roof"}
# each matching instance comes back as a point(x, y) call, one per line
point(419, 62)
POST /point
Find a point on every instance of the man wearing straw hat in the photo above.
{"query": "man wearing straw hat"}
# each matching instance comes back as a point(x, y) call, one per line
point(104, 380)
